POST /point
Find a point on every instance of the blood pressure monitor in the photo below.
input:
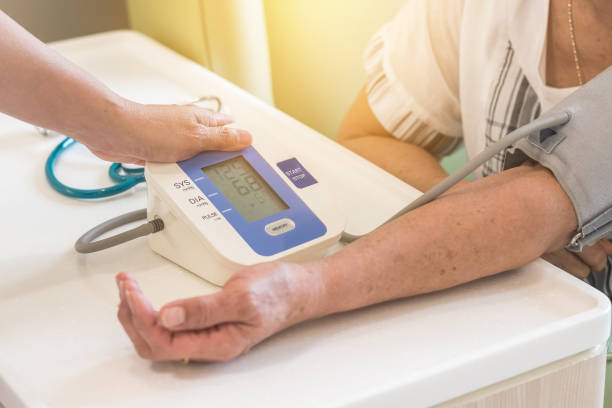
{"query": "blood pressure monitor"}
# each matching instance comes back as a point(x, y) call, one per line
point(223, 211)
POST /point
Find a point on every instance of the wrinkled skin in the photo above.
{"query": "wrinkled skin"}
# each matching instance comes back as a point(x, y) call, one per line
point(254, 304)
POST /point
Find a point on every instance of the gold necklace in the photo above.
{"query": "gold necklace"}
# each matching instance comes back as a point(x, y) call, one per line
point(570, 20)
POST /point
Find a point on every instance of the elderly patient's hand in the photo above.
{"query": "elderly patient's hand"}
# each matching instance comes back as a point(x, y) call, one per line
point(254, 304)
point(592, 258)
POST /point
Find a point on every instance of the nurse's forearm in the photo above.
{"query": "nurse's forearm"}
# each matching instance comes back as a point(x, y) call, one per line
point(489, 226)
point(39, 86)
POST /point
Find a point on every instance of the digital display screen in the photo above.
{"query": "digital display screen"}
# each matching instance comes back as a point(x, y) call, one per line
point(244, 188)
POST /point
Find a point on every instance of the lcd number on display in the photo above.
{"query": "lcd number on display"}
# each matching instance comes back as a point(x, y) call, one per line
point(245, 189)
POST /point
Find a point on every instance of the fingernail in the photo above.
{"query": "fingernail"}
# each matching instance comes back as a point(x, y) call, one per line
point(128, 296)
point(244, 137)
point(173, 316)
point(223, 117)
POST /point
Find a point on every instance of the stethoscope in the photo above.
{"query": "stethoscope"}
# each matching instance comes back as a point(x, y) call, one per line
point(124, 177)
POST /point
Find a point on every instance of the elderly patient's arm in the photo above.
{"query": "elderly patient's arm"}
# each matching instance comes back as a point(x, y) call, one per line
point(486, 227)
point(362, 133)
point(483, 228)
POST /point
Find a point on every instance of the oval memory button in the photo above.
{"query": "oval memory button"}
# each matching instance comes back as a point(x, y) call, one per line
point(280, 227)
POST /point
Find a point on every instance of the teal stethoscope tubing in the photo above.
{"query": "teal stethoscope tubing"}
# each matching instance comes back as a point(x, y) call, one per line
point(125, 178)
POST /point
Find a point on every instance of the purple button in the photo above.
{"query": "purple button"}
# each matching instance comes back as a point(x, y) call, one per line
point(295, 172)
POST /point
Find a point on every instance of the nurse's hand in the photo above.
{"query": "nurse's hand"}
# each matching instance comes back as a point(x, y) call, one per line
point(41, 87)
point(254, 304)
point(592, 258)
point(135, 133)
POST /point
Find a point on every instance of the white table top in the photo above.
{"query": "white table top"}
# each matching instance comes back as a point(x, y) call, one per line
point(62, 346)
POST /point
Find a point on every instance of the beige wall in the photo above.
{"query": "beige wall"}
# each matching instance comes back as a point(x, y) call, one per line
point(314, 47)
point(226, 36)
point(52, 20)
point(315, 53)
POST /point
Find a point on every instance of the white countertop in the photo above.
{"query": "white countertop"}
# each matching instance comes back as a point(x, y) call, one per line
point(62, 346)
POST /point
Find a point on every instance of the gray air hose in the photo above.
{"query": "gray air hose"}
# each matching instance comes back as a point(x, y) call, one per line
point(86, 243)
